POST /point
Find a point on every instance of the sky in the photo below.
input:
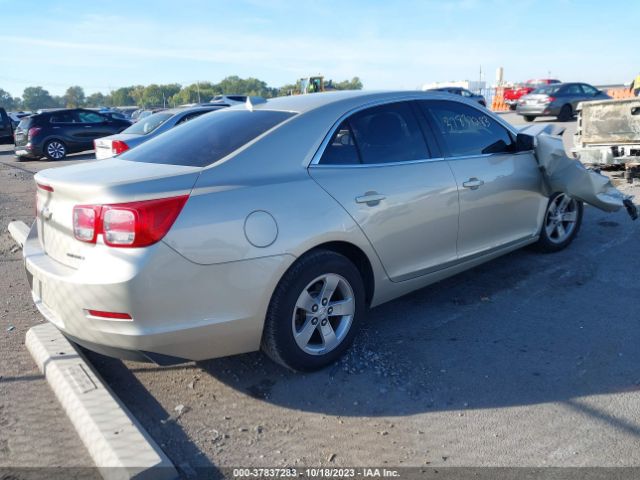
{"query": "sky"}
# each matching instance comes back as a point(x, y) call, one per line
point(392, 44)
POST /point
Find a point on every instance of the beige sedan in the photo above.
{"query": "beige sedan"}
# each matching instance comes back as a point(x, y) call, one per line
point(277, 225)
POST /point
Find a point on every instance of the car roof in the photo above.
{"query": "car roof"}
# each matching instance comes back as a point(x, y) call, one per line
point(345, 99)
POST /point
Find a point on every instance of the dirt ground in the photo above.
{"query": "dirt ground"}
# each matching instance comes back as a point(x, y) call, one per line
point(529, 360)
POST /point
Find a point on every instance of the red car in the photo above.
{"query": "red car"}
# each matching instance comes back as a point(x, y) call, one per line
point(512, 95)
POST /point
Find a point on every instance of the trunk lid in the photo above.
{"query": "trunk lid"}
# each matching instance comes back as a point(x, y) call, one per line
point(103, 146)
point(98, 183)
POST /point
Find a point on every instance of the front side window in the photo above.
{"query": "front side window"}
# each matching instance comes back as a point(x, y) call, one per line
point(589, 90)
point(467, 130)
point(206, 139)
point(385, 134)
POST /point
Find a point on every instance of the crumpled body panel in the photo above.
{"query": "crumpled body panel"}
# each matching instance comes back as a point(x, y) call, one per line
point(564, 174)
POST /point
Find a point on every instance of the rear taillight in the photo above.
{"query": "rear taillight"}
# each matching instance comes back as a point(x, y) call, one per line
point(118, 146)
point(134, 224)
point(550, 99)
point(33, 131)
point(86, 222)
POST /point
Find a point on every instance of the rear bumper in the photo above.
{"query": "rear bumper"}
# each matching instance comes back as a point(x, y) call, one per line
point(28, 151)
point(180, 310)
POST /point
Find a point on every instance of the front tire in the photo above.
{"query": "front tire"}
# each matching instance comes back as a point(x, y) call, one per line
point(529, 118)
point(314, 312)
point(561, 223)
point(55, 150)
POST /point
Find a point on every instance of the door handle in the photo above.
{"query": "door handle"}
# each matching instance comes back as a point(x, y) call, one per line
point(87, 126)
point(473, 183)
point(370, 198)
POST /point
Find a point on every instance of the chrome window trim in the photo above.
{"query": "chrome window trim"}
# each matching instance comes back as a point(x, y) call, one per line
point(374, 165)
point(315, 160)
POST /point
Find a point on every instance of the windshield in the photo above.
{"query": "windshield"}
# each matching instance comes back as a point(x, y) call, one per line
point(546, 90)
point(148, 124)
point(206, 139)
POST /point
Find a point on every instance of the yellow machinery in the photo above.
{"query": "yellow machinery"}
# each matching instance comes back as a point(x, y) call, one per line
point(311, 84)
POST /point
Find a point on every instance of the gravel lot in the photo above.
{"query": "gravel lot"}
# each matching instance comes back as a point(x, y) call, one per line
point(529, 360)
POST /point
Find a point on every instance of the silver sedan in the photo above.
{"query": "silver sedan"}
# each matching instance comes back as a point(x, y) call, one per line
point(146, 129)
point(277, 225)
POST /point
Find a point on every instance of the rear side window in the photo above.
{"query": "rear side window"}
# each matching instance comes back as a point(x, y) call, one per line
point(467, 130)
point(191, 116)
point(62, 117)
point(385, 134)
point(571, 90)
point(207, 139)
point(148, 124)
point(89, 117)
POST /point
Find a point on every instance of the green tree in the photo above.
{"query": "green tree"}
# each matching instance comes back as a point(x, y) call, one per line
point(122, 97)
point(353, 84)
point(246, 86)
point(34, 98)
point(98, 100)
point(288, 89)
point(137, 93)
point(7, 101)
point(74, 97)
point(196, 93)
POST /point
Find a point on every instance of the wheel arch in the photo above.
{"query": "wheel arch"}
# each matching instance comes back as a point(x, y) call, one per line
point(357, 256)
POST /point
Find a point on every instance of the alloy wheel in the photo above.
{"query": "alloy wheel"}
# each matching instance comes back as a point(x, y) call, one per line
point(561, 218)
point(56, 150)
point(323, 314)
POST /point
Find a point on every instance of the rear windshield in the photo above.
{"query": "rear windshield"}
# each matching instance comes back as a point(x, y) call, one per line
point(206, 139)
point(148, 124)
point(25, 123)
point(546, 90)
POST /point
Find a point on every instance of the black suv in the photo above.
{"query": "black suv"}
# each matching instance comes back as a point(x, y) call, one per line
point(6, 127)
point(55, 134)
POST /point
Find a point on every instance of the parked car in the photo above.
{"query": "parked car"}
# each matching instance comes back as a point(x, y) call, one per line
point(463, 92)
point(55, 134)
point(277, 226)
point(557, 100)
point(144, 113)
point(126, 111)
point(511, 95)
point(147, 129)
point(6, 127)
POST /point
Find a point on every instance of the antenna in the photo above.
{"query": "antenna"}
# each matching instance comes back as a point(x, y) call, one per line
point(248, 104)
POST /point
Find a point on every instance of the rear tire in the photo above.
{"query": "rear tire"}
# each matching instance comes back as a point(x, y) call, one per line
point(529, 118)
point(566, 113)
point(55, 150)
point(302, 330)
point(561, 224)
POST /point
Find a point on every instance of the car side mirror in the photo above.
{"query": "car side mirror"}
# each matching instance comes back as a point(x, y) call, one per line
point(524, 142)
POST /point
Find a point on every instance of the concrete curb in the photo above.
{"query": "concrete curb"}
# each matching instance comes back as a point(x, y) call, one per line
point(19, 232)
point(119, 446)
